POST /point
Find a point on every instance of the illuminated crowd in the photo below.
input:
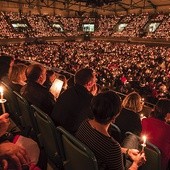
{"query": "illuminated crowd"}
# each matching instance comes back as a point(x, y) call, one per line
point(123, 67)
point(106, 26)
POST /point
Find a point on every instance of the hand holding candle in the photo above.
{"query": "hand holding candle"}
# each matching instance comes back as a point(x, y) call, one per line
point(144, 143)
point(2, 100)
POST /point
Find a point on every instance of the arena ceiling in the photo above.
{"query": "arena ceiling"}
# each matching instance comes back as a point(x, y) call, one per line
point(80, 7)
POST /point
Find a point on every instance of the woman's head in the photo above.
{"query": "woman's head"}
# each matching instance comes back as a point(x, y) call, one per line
point(18, 73)
point(105, 106)
point(133, 102)
point(161, 109)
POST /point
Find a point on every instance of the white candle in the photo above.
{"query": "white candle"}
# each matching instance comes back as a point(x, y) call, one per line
point(2, 98)
point(144, 142)
point(1, 91)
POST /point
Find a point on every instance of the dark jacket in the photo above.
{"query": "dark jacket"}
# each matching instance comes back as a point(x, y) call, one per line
point(72, 107)
point(39, 96)
point(128, 121)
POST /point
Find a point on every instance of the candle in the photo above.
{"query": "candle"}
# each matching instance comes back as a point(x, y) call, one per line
point(2, 100)
point(141, 116)
point(144, 143)
point(1, 91)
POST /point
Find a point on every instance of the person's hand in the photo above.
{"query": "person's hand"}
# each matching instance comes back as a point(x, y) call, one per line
point(94, 89)
point(4, 123)
point(132, 153)
point(15, 153)
point(140, 158)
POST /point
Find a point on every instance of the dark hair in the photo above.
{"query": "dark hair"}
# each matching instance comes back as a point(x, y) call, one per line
point(83, 76)
point(50, 73)
point(161, 109)
point(5, 61)
point(105, 106)
point(33, 72)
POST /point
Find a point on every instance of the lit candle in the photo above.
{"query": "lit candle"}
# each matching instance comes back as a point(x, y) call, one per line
point(141, 116)
point(1, 91)
point(2, 101)
point(144, 143)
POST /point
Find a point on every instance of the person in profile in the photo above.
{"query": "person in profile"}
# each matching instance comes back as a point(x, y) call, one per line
point(50, 77)
point(73, 105)
point(34, 91)
point(18, 76)
point(94, 133)
point(158, 131)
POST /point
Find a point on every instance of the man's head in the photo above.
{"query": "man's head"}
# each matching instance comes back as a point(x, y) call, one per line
point(86, 77)
point(36, 73)
point(162, 109)
point(105, 106)
point(6, 63)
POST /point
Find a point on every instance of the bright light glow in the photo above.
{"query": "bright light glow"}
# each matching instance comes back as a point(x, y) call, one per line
point(1, 92)
point(144, 143)
point(144, 140)
point(56, 87)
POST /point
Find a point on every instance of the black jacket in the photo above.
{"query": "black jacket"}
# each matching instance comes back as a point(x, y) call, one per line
point(72, 107)
point(129, 121)
point(39, 96)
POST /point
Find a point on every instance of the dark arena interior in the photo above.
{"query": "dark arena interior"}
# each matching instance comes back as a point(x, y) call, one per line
point(125, 42)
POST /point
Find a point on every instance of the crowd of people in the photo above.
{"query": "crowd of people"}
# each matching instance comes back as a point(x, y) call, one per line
point(86, 106)
point(83, 109)
point(133, 25)
point(119, 66)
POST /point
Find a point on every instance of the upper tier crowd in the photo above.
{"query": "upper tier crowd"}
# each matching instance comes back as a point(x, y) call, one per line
point(107, 26)
point(122, 67)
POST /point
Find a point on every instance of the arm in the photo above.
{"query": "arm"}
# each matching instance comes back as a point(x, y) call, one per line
point(137, 157)
point(14, 153)
point(4, 123)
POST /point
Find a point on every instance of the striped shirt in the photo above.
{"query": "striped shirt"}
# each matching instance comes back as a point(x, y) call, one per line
point(106, 149)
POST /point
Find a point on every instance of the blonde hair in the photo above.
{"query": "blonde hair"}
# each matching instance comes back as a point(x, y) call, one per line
point(133, 102)
point(17, 72)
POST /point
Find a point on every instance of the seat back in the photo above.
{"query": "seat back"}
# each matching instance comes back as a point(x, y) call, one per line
point(11, 105)
point(152, 153)
point(28, 119)
point(48, 136)
point(115, 132)
point(77, 155)
point(153, 157)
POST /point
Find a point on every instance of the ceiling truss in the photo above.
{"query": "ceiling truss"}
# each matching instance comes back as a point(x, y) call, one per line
point(83, 7)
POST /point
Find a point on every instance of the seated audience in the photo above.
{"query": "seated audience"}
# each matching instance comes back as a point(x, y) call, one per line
point(129, 118)
point(158, 131)
point(94, 133)
point(73, 105)
point(18, 77)
point(34, 91)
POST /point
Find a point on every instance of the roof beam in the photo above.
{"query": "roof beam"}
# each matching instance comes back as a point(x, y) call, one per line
point(152, 4)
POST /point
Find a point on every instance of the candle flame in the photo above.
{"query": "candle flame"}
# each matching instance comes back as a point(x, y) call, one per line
point(144, 139)
point(1, 90)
